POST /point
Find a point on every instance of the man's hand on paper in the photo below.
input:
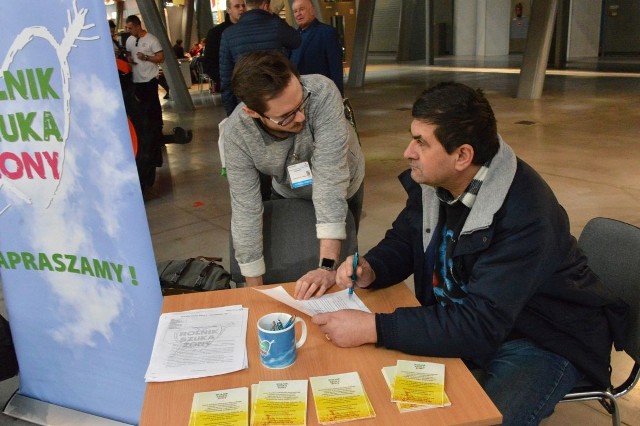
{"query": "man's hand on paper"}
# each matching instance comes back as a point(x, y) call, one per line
point(314, 283)
point(365, 273)
point(347, 328)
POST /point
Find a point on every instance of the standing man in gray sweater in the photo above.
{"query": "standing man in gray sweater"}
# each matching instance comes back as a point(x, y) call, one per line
point(293, 129)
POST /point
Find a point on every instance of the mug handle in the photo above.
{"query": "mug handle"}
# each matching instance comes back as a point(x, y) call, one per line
point(303, 336)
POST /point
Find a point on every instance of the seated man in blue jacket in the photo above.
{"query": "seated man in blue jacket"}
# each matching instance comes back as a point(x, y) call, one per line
point(501, 280)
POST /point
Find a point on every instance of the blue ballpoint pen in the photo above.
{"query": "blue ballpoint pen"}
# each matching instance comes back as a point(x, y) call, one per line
point(291, 320)
point(354, 277)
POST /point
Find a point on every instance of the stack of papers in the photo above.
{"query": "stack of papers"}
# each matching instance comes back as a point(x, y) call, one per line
point(225, 407)
point(199, 343)
point(340, 398)
point(328, 302)
point(416, 385)
point(282, 403)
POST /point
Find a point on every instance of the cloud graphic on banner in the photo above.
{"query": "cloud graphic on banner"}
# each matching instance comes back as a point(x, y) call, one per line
point(89, 306)
point(111, 171)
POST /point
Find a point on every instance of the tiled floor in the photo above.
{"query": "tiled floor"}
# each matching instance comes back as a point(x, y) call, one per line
point(582, 136)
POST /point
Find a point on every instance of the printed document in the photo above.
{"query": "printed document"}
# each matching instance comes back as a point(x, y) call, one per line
point(329, 302)
point(199, 343)
point(340, 398)
point(229, 407)
point(419, 382)
point(282, 403)
point(389, 374)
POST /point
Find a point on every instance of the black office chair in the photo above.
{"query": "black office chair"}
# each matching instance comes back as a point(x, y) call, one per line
point(290, 244)
point(203, 78)
point(612, 248)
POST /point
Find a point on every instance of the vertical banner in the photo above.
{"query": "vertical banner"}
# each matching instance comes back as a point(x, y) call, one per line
point(76, 258)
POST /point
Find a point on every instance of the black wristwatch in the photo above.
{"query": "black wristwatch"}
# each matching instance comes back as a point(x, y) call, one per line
point(328, 264)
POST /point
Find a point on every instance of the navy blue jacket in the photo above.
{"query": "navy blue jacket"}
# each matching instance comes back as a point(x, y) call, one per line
point(526, 276)
point(256, 29)
point(320, 53)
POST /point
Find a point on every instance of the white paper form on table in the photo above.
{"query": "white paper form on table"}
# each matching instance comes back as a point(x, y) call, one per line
point(199, 343)
point(326, 303)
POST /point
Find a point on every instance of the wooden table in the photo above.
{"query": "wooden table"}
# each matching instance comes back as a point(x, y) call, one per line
point(169, 403)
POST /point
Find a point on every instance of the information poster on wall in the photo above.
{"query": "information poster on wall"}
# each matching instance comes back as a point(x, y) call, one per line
point(76, 259)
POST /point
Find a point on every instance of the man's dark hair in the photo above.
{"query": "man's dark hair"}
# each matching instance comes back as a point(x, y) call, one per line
point(133, 19)
point(261, 76)
point(461, 115)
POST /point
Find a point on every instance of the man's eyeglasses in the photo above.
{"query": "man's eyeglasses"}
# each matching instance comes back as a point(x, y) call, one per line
point(287, 119)
point(137, 40)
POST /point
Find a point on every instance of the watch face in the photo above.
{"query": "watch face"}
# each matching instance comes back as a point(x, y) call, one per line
point(327, 263)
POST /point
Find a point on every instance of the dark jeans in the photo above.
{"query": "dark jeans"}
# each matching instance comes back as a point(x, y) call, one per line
point(147, 93)
point(162, 82)
point(526, 382)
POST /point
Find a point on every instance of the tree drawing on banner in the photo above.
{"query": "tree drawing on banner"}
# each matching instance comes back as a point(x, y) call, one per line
point(28, 170)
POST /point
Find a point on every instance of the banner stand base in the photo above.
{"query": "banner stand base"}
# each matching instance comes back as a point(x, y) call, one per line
point(47, 414)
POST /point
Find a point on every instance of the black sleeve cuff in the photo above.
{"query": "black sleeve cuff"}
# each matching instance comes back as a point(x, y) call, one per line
point(379, 343)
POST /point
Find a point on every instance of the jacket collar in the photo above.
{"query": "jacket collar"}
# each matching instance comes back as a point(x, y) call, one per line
point(488, 201)
point(313, 23)
point(493, 190)
point(253, 12)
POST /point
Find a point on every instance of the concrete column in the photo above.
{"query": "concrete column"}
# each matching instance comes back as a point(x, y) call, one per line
point(364, 22)
point(153, 22)
point(464, 28)
point(481, 27)
point(187, 24)
point(413, 40)
point(536, 53)
point(120, 14)
point(558, 57)
point(316, 6)
point(204, 20)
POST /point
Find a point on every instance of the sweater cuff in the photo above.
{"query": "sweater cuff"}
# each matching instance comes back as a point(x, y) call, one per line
point(331, 231)
point(256, 268)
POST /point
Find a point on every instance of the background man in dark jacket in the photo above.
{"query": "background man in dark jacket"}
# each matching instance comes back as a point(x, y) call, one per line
point(501, 280)
point(211, 59)
point(320, 51)
point(257, 29)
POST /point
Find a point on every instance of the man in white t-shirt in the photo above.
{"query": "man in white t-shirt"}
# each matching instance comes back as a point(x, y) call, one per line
point(144, 54)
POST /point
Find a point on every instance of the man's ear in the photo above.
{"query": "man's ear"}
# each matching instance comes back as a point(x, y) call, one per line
point(251, 113)
point(465, 157)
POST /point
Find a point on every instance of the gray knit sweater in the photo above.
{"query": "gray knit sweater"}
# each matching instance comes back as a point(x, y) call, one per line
point(327, 142)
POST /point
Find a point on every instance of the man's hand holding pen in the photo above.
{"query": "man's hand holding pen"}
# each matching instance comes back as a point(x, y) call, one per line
point(364, 275)
point(349, 328)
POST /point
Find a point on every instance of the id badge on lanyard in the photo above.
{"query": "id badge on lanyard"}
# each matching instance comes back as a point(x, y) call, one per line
point(300, 174)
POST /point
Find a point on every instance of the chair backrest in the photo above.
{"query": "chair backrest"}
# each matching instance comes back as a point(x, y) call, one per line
point(612, 249)
point(290, 244)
